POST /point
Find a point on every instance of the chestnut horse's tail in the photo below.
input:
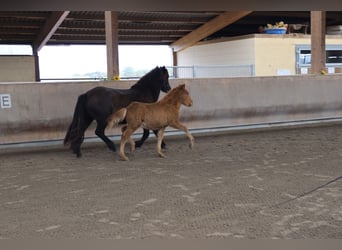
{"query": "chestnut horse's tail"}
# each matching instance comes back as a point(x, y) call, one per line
point(116, 117)
point(76, 129)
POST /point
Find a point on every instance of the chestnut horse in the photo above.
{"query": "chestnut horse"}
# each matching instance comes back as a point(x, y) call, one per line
point(100, 102)
point(155, 116)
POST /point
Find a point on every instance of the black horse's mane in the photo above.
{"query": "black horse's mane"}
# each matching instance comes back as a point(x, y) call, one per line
point(148, 78)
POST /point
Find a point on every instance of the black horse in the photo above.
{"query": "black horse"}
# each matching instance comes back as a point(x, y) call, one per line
point(98, 103)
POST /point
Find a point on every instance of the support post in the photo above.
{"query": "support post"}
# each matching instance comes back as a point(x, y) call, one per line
point(112, 43)
point(175, 63)
point(318, 56)
point(36, 64)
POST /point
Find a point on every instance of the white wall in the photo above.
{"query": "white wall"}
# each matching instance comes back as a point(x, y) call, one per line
point(269, 53)
point(222, 52)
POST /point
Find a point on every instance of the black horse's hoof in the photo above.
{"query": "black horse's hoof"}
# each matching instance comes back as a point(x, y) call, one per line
point(112, 147)
point(138, 144)
point(77, 152)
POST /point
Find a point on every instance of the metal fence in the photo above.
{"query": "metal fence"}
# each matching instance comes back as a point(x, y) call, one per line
point(211, 71)
point(217, 71)
point(331, 68)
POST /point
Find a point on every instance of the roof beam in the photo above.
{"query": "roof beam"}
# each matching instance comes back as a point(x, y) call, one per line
point(207, 29)
point(49, 28)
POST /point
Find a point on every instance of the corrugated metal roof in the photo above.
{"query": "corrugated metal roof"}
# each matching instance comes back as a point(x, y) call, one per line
point(88, 27)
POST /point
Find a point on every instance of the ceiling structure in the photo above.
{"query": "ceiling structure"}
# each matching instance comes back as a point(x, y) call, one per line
point(39, 28)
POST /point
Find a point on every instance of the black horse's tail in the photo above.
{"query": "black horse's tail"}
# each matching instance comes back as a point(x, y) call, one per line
point(75, 132)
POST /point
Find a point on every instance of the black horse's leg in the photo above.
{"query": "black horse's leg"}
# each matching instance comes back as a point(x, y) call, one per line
point(146, 134)
point(100, 128)
point(163, 145)
point(76, 145)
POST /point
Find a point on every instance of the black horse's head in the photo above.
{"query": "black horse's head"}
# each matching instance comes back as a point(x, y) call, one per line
point(153, 82)
point(164, 74)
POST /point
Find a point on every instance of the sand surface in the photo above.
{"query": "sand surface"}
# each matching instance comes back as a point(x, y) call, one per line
point(239, 185)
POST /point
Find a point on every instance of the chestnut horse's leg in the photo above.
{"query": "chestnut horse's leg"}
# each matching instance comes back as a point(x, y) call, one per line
point(163, 145)
point(126, 135)
point(132, 143)
point(122, 146)
point(160, 139)
point(180, 126)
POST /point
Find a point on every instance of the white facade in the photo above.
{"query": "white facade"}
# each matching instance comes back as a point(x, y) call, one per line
point(270, 54)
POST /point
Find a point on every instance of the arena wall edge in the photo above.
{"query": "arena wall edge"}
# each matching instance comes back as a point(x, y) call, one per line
point(43, 111)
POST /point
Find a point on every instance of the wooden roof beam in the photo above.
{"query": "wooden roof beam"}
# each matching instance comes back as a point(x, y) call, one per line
point(49, 28)
point(207, 29)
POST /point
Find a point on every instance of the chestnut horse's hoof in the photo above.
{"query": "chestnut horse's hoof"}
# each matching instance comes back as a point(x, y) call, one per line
point(124, 157)
point(161, 155)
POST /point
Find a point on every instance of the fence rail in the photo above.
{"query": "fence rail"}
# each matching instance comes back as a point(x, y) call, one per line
point(211, 71)
point(181, 72)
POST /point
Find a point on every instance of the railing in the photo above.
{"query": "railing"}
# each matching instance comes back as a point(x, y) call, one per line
point(331, 68)
point(72, 79)
point(211, 71)
point(217, 71)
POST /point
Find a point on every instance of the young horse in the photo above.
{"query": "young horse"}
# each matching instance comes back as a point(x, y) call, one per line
point(156, 116)
point(99, 102)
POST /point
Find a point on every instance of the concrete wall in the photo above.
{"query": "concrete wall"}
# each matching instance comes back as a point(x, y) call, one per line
point(43, 111)
point(17, 69)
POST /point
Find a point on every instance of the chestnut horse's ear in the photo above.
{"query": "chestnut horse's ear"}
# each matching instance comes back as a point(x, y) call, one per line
point(182, 85)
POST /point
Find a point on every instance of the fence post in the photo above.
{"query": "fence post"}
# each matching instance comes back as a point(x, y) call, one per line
point(175, 71)
point(252, 70)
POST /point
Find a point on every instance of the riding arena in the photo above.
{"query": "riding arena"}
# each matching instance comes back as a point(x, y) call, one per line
point(265, 161)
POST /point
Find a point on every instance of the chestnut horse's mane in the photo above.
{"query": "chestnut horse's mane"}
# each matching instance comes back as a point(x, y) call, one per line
point(169, 97)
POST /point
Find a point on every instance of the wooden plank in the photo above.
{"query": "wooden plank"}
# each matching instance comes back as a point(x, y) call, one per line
point(49, 28)
point(318, 41)
point(207, 29)
point(112, 43)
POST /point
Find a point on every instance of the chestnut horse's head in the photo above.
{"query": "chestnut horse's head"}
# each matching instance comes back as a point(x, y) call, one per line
point(184, 96)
